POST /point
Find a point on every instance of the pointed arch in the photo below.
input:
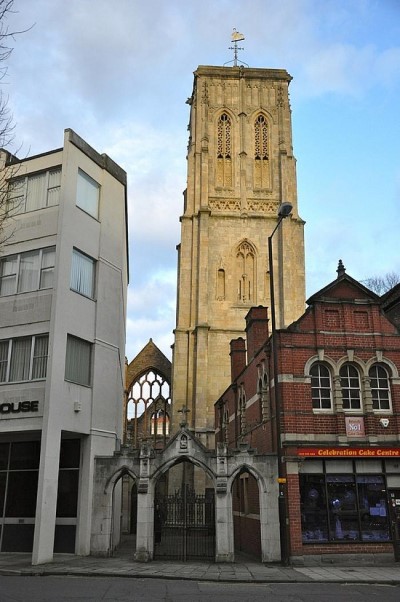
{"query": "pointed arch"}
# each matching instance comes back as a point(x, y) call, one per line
point(261, 152)
point(246, 272)
point(224, 171)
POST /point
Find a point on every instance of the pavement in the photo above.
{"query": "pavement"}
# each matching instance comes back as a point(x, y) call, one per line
point(245, 571)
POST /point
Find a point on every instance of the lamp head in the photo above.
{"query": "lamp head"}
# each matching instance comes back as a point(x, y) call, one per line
point(285, 210)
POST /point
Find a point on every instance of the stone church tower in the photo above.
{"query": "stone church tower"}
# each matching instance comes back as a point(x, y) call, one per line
point(240, 169)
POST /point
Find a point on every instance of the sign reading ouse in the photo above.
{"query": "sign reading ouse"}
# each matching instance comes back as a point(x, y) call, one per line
point(9, 408)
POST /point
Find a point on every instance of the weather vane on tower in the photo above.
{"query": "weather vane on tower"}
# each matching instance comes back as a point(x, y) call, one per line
point(235, 38)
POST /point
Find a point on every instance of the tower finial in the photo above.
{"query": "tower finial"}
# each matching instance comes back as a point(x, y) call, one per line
point(341, 270)
point(235, 38)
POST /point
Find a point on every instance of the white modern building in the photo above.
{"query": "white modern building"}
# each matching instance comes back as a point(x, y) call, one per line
point(63, 282)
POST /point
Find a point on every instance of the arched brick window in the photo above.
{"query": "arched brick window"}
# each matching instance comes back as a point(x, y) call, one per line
point(380, 387)
point(351, 387)
point(321, 387)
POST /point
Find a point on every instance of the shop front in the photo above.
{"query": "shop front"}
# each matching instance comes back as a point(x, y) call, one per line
point(346, 497)
point(19, 474)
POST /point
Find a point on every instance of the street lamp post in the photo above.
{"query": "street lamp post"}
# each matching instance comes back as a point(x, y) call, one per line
point(284, 211)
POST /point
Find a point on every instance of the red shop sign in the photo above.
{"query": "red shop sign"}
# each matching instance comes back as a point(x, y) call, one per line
point(349, 452)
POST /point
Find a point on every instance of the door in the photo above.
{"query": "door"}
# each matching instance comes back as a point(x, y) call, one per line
point(394, 512)
point(184, 525)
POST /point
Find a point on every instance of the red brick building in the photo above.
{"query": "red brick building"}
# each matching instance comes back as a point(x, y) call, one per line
point(338, 374)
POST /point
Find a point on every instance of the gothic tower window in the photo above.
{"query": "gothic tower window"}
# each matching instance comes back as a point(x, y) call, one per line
point(245, 269)
point(261, 163)
point(224, 152)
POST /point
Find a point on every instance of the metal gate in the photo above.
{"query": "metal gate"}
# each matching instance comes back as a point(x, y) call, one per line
point(184, 525)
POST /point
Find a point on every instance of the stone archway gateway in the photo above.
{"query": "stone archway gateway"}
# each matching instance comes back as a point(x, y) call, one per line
point(184, 514)
point(217, 470)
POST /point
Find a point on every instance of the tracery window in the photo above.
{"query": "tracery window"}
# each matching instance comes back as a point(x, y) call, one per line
point(245, 261)
point(261, 163)
point(148, 407)
point(380, 388)
point(321, 387)
point(351, 387)
point(224, 151)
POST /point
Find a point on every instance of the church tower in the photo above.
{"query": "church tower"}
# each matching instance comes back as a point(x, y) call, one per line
point(240, 169)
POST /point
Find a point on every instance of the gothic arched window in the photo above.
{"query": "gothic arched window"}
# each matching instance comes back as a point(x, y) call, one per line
point(148, 407)
point(224, 152)
point(160, 423)
point(261, 163)
point(246, 271)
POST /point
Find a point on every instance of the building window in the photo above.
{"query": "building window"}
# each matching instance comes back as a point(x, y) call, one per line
point(149, 399)
point(380, 388)
point(87, 194)
point(24, 358)
point(160, 423)
point(246, 272)
point(261, 166)
point(321, 387)
point(351, 388)
point(33, 192)
point(78, 361)
point(343, 508)
point(30, 271)
point(224, 152)
point(82, 274)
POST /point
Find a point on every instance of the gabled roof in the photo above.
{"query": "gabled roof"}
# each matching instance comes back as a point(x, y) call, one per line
point(391, 297)
point(343, 288)
point(150, 357)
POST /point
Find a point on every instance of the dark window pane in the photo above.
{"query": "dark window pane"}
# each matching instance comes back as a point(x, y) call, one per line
point(3, 480)
point(314, 524)
point(18, 538)
point(64, 539)
point(4, 450)
point(342, 505)
point(70, 453)
point(25, 454)
point(373, 508)
point(21, 493)
point(67, 498)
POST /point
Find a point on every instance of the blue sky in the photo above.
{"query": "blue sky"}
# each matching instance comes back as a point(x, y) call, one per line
point(119, 73)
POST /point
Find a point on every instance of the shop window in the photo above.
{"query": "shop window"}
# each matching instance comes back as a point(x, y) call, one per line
point(82, 274)
point(87, 194)
point(36, 191)
point(78, 361)
point(380, 388)
point(30, 271)
point(19, 470)
point(321, 387)
point(314, 514)
point(24, 359)
point(343, 508)
point(351, 387)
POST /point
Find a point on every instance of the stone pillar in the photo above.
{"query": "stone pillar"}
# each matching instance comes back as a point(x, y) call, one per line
point(224, 543)
point(145, 526)
point(46, 502)
point(224, 540)
point(269, 514)
point(145, 508)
